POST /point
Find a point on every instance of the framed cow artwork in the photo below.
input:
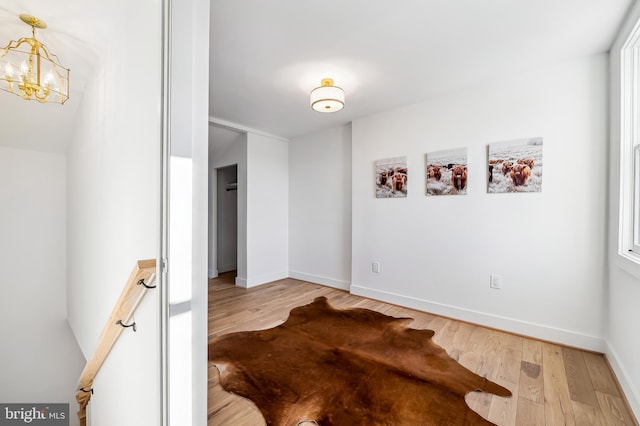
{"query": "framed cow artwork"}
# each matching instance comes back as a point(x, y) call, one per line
point(391, 178)
point(515, 166)
point(446, 172)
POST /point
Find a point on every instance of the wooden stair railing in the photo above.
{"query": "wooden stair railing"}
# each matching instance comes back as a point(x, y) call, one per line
point(132, 293)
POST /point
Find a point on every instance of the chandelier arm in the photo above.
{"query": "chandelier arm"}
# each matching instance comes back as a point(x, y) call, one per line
point(38, 45)
point(40, 99)
point(11, 46)
point(49, 55)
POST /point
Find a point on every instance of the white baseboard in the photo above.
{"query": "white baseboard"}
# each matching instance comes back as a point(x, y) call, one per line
point(543, 332)
point(213, 273)
point(256, 281)
point(329, 282)
point(630, 391)
point(264, 279)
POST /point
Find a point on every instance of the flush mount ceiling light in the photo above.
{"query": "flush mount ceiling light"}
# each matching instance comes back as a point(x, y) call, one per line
point(29, 70)
point(327, 97)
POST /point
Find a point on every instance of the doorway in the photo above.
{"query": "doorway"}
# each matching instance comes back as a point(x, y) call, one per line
point(227, 219)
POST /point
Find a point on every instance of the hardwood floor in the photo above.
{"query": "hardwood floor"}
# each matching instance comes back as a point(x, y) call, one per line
point(552, 385)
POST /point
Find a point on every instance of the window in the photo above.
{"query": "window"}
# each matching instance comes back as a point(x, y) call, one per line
point(629, 241)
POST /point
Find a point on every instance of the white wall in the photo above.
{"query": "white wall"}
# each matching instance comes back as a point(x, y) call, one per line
point(188, 176)
point(180, 289)
point(228, 147)
point(623, 347)
point(113, 202)
point(436, 253)
point(40, 360)
point(267, 209)
point(131, 364)
point(320, 207)
point(263, 202)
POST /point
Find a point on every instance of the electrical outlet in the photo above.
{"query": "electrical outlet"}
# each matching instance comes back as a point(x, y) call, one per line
point(375, 267)
point(495, 282)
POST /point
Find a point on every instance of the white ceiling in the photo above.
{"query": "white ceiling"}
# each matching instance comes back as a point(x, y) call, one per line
point(266, 56)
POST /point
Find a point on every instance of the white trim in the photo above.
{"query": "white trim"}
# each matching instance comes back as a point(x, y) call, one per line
point(629, 262)
point(213, 273)
point(624, 66)
point(631, 393)
point(538, 331)
point(264, 279)
point(316, 279)
point(243, 129)
point(163, 237)
point(635, 169)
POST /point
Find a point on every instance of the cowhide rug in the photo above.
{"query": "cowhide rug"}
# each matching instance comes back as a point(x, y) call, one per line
point(347, 367)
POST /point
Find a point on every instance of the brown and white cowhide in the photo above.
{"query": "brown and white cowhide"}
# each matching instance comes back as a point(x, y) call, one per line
point(347, 367)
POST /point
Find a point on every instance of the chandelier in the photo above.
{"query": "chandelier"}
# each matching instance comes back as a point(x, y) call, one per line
point(29, 70)
point(327, 97)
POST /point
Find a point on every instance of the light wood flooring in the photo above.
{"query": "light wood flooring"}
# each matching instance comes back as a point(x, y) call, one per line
point(552, 385)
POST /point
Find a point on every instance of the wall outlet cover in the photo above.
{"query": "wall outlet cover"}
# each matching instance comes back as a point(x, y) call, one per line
point(496, 282)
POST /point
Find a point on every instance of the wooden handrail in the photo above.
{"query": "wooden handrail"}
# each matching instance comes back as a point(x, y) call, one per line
point(122, 312)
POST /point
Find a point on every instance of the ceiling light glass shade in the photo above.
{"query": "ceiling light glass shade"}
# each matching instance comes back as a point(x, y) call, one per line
point(327, 98)
point(29, 70)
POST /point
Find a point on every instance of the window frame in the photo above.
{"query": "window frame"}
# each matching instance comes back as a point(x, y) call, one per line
point(629, 204)
point(634, 247)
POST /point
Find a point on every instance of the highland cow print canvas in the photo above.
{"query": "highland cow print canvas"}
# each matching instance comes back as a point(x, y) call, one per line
point(446, 172)
point(515, 166)
point(391, 178)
